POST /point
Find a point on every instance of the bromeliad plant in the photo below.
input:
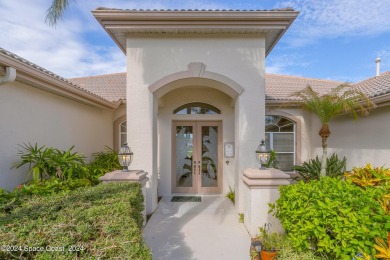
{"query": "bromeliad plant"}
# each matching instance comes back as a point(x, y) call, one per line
point(311, 170)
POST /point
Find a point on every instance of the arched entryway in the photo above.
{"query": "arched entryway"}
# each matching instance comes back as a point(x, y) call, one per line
point(193, 123)
point(195, 117)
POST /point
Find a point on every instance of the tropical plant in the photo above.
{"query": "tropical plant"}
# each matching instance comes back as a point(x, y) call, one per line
point(382, 248)
point(37, 158)
point(343, 99)
point(311, 170)
point(103, 162)
point(69, 164)
point(45, 162)
point(385, 203)
point(332, 216)
point(369, 176)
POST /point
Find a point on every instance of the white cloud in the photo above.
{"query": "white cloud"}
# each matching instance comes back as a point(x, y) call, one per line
point(62, 50)
point(77, 46)
point(282, 63)
point(334, 18)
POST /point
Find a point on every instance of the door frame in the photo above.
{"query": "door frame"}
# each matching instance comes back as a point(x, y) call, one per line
point(197, 129)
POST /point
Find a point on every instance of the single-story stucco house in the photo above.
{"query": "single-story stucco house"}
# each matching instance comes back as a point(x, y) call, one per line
point(193, 105)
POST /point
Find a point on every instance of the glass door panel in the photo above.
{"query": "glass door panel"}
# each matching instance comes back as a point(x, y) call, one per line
point(184, 153)
point(209, 137)
point(196, 166)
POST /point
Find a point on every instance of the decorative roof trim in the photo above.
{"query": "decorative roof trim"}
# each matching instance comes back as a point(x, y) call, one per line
point(120, 23)
point(32, 74)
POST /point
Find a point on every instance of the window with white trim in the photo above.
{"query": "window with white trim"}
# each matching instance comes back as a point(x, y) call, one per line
point(122, 134)
point(280, 137)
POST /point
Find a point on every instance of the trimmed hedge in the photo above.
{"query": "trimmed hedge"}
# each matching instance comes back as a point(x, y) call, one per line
point(103, 221)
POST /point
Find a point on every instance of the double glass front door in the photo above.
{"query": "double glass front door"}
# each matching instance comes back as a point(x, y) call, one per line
point(196, 152)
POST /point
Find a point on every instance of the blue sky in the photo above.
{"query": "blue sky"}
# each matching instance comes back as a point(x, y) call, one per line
point(333, 39)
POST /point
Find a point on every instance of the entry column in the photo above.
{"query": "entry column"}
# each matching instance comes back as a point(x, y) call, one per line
point(142, 128)
point(249, 130)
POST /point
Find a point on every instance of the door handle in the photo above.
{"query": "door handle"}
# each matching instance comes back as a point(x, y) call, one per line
point(194, 168)
point(199, 167)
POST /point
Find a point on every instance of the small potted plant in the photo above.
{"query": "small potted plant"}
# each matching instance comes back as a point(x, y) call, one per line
point(268, 240)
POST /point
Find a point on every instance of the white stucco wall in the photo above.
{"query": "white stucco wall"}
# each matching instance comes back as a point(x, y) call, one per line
point(30, 115)
point(182, 96)
point(149, 59)
point(361, 142)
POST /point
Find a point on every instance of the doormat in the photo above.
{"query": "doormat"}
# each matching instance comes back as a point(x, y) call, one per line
point(186, 199)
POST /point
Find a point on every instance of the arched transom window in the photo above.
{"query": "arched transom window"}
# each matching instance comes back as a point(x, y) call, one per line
point(280, 137)
point(197, 108)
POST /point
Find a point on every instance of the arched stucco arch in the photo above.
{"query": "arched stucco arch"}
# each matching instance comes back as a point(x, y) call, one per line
point(196, 70)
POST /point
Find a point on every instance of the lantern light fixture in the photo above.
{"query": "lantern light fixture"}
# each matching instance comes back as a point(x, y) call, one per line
point(125, 157)
point(262, 155)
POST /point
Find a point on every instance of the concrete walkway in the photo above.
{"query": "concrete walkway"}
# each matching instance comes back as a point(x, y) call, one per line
point(197, 230)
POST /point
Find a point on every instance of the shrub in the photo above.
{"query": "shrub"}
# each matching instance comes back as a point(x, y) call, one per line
point(54, 170)
point(332, 216)
point(369, 176)
point(51, 186)
point(99, 222)
point(47, 162)
point(103, 162)
point(8, 200)
point(311, 170)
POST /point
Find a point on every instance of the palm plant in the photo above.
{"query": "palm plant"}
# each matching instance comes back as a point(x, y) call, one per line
point(45, 162)
point(37, 158)
point(341, 100)
point(55, 11)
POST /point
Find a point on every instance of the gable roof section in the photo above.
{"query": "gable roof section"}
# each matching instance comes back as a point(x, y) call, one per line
point(34, 75)
point(122, 23)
